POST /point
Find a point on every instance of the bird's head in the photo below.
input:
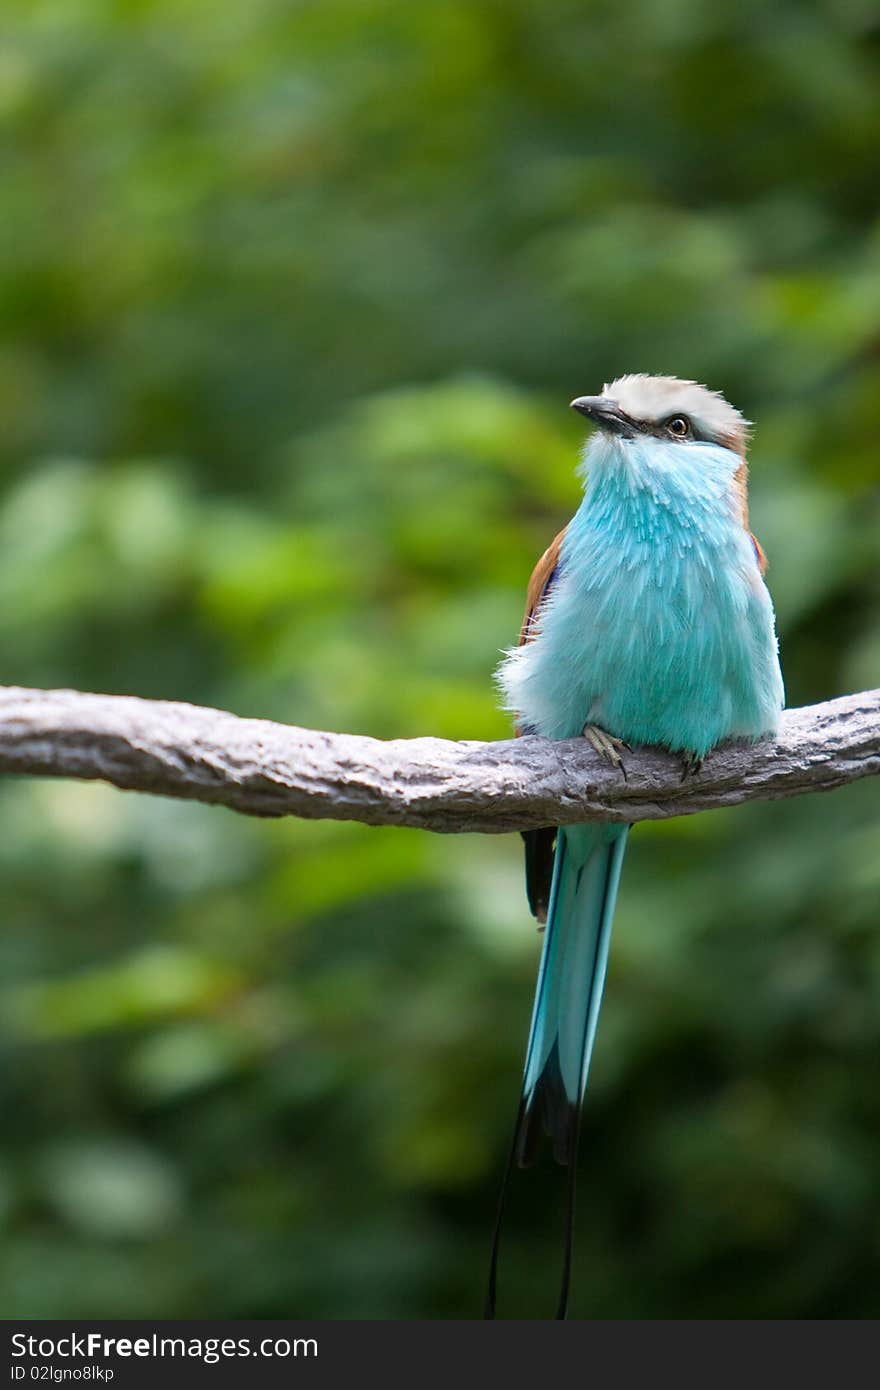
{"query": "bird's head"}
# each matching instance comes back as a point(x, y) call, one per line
point(666, 409)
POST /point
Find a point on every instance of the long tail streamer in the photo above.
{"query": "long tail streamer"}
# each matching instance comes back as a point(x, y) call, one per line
point(568, 998)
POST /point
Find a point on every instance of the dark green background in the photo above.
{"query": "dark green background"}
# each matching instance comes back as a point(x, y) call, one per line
point(292, 301)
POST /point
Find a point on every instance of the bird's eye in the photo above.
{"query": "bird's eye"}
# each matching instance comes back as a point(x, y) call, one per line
point(679, 426)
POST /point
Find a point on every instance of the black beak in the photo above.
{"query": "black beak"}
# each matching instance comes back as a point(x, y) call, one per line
point(606, 414)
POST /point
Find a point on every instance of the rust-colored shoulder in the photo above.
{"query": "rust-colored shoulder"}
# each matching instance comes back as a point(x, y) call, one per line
point(539, 583)
point(741, 484)
point(759, 553)
point(741, 489)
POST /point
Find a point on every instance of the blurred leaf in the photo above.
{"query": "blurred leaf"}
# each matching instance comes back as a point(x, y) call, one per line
point(292, 302)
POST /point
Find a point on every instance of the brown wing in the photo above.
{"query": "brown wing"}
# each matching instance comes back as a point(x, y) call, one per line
point(542, 577)
point(540, 844)
point(741, 483)
point(759, 553)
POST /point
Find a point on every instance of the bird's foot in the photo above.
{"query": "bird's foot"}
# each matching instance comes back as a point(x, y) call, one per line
point(607, 746)
point(690, 764)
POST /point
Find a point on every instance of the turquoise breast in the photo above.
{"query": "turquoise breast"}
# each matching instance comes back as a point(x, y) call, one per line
point(659, 628)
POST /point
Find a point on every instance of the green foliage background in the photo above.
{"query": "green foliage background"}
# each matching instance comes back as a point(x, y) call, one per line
point(292, 300)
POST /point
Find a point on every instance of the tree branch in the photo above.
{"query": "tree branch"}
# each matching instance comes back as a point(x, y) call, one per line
point(266, 769)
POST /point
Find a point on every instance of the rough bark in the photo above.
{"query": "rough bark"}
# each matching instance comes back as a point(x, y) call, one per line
point(266, 769)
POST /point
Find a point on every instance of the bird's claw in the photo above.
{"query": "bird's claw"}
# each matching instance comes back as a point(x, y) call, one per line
point(690, 764)
point(607, 746)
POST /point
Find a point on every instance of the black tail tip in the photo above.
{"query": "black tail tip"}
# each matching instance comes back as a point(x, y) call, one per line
point(548, 1111)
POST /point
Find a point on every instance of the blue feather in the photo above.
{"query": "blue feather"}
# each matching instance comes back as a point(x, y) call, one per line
point(571, 979)
point(658, 629)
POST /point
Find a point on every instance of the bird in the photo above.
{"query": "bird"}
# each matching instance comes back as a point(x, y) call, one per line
point(648, 621)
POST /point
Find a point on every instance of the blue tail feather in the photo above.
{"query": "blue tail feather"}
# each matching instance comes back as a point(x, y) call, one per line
point(568, 997)
point(571, 979)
